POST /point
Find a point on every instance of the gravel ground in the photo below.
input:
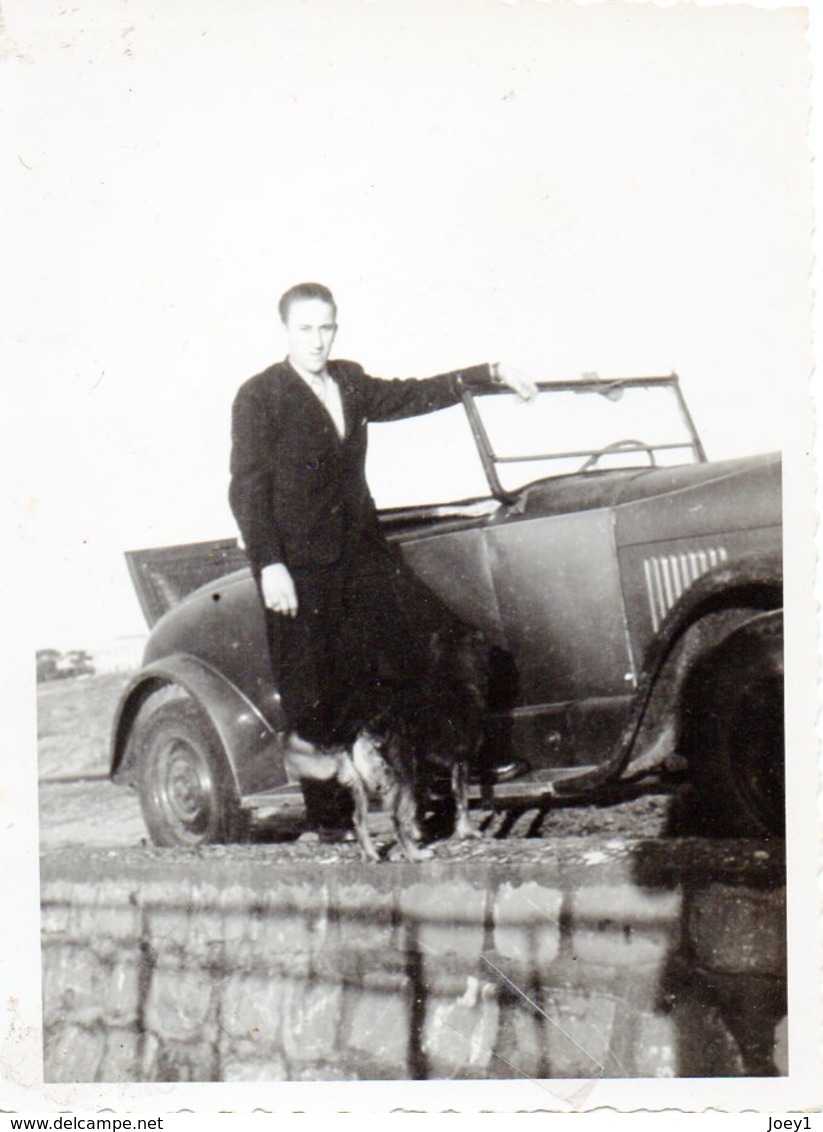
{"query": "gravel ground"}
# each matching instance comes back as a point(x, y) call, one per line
point(91, 811)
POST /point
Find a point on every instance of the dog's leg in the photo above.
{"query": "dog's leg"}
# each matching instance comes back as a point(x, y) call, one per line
point(413, 826)
point(463, 828)
point(404, 814)
point(350, 778)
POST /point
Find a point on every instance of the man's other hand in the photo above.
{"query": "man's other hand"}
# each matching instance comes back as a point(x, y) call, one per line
point(279, 593)
point(521, 383)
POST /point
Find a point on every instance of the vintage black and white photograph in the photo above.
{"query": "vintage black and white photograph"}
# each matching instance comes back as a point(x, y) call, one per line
point(415, 504)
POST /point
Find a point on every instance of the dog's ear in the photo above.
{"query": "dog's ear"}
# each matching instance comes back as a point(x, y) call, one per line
point(368, 709)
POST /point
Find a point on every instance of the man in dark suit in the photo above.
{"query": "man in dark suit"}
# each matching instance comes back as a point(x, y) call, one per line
point(338, 597)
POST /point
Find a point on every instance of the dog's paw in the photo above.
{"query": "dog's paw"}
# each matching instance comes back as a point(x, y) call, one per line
point(411, 853)
point(466, 832)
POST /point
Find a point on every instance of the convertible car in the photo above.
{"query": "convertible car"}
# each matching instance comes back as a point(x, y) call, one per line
point(631, 592)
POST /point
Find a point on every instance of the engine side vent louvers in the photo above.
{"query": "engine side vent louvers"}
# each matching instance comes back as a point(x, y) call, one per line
point(669, 575)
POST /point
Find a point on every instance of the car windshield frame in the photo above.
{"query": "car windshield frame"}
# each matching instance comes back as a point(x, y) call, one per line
point(605, 387)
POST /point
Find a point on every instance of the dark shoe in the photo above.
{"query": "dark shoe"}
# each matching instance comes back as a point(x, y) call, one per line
point(505, 773)
point(329, 835)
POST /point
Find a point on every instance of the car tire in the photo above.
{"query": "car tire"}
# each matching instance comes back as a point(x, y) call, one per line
point(733, 732)
point(185, 788)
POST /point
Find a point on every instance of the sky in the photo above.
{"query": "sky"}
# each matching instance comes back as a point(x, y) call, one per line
point(622, 188)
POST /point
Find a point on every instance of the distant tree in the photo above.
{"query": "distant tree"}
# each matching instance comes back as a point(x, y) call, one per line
point(55, 665)
point(47, 660)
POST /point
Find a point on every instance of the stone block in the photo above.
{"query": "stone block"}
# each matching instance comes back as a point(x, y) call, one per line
point(204, 938)
point(444, 918)
point(364, 919)
point(167, 925)
point(627, 946)
point(253, 1007)
point(293, 919)
point(655, 1046)
point(276, 931)
point(238, 933)
point(54, 919)
point(72, 1053)
point(527, 923)
point(312, 1020)
point(121, 1059)
point(736, 929)
point(56, 978)
point(459, 1036)
point(378, 1020)
point(627, 903)
point(705, 1047)
point(57, 896)
point(183, 1061)
point(103, 912)
point(123, 993)
point(270, 1069)
point(624, 926)
point(149, 1056)
point(76, 985)
point(522, 1046)
point(251, 1061)
point(579, 1034)
point(179, 1002)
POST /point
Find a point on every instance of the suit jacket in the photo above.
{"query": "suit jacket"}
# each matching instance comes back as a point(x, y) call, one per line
point(296, 487)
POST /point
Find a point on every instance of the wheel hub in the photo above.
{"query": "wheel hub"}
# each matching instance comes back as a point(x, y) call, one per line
point(186, 783)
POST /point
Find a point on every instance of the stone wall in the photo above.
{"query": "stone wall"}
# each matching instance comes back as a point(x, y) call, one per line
point(231, 966)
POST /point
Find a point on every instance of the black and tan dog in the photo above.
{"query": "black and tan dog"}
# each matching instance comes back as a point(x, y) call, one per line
point(407, 736)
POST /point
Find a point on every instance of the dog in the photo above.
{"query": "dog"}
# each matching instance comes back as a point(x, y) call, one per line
point(402, 736)
point(419, 731)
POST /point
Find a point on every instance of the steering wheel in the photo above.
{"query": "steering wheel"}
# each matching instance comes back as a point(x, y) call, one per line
point(618, 446)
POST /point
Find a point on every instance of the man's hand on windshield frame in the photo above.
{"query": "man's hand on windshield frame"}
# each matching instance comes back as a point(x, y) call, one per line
point(515, 379)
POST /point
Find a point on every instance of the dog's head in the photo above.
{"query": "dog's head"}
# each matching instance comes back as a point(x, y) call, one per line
point(461, 653)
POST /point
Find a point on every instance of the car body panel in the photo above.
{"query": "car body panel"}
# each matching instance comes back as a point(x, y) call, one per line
point(559, 591)
point(699, 503)
point(223, 624)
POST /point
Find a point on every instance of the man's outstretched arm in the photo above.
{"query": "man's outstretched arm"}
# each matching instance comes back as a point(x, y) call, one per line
point(388, 400)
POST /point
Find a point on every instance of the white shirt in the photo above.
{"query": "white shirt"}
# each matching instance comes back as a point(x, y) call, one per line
point(327, 392)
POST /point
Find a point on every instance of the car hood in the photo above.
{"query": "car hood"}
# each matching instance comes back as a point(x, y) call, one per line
point(585, 492)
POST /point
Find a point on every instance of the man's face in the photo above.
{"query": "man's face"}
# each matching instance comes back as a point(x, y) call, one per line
point(311, 328)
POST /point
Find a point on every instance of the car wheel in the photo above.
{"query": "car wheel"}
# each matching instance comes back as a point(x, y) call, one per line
point(185, 789)
point(733, 731)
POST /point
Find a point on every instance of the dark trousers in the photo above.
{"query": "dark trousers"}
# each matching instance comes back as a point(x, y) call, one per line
point(363, 617)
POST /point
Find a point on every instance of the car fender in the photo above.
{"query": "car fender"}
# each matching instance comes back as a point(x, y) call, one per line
point(721, 600)
point(250, 745)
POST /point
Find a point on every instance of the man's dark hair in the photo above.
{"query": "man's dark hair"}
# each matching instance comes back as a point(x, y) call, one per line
point(304, 291)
